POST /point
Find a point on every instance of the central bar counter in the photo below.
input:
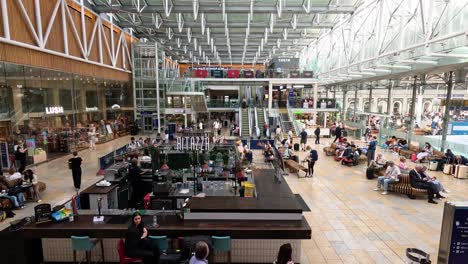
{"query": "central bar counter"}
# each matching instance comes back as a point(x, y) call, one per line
point(254, 241)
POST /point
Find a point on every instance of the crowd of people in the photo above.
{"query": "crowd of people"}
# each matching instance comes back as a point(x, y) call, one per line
point(18, 186)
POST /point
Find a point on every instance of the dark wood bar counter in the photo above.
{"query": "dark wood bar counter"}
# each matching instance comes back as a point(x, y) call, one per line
point(257, 225)
point(171, 226)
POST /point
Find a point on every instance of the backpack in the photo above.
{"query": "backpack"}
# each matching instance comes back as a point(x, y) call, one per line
point(313, 155)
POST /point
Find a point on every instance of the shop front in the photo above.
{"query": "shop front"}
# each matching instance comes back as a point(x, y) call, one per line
point(54, 111)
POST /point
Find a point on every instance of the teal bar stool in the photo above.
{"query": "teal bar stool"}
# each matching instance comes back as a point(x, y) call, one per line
point(160, 241)
point(84, 243)
point(222, 244)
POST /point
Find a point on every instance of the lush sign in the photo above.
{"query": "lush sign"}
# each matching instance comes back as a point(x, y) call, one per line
point(54, 110)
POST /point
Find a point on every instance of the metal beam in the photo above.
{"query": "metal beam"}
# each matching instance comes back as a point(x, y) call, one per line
point(263, 24)
point(234, 9)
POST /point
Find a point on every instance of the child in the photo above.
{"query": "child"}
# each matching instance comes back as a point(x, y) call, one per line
point(403, 166)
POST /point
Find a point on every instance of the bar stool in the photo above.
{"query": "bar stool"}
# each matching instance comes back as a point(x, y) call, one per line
point(222, 244)
point(160, 241)
point(84, 243)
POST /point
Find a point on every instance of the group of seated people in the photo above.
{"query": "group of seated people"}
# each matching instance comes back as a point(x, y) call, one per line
point(395, 144)
point(138, 245)
point(16, 184)
point(418, 177)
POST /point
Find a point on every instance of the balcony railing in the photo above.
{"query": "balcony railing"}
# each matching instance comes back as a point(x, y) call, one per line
point(216, 103)
point(232, 74)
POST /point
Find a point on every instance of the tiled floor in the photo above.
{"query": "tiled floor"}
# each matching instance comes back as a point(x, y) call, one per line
point(350, 222)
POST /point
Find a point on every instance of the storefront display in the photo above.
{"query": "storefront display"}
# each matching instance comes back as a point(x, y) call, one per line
point(51, 110)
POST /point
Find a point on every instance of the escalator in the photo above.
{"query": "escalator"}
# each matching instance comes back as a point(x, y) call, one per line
point(245, 126)
point(260, 119)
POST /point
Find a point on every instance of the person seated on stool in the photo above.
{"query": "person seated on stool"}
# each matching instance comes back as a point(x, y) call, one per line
point(420, 182)
point(201, 253)
point(391, 176)
point(137, 244)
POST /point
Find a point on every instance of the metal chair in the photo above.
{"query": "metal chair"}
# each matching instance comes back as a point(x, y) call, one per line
point(222, 244)
point(160, 241)
point(84, 243)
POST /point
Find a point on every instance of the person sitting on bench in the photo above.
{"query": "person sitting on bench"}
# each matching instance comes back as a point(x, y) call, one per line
point(289, 154)
point(379, 161)
point(420, 182)
point(391, 176)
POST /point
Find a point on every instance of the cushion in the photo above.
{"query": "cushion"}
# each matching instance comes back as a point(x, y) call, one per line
point(414, 148)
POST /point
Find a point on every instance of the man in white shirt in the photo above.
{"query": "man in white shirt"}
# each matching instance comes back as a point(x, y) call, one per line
point(133, 144)
point(290, 136)
point(391, 176)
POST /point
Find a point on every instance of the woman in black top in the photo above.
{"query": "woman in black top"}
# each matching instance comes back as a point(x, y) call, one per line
point(137, 244)
point(75, 166)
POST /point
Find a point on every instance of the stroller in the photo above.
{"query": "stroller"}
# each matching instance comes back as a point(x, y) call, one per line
point(351, 160)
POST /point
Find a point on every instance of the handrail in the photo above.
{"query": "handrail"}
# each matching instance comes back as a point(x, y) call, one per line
point(249, 113)
point(256, 122)
point(240, 122)
point(265, 117)
point(292, 119)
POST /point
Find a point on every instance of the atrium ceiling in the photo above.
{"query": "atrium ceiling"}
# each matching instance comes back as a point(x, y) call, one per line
point(392, 39)
point(228, 31)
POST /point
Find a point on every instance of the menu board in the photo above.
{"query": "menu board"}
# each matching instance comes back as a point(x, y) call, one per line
point(4, 155)
point(42, 213)
point(106, 161)
point(459, 242)
point(121, 151)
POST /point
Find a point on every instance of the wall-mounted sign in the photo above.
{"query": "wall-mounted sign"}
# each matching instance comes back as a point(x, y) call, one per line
point(193, 143)
point(92, 109)
point(54, 110)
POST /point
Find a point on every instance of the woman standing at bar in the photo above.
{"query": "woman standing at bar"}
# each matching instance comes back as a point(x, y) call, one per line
point(137, 244)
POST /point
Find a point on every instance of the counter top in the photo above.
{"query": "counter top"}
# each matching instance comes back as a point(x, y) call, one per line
point(171, 226)
point(273, 197)
point(93, 189)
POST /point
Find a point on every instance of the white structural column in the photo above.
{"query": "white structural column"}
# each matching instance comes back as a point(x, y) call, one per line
point(6, 24)
point(158, 107)
point(270, 96)
point(315, 101)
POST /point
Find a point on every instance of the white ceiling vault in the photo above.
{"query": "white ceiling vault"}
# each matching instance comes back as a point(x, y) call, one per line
point(227, 31)
point(392, 39)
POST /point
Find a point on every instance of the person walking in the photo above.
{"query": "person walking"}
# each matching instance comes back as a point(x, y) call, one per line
point(303, 139)
point(75, 165)
point(20, 156)
point(317, 135)
point(338, 131)
point(92, 137)
point(371, 150)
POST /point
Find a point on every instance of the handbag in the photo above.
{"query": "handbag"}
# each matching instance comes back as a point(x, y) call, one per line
point(15, 190)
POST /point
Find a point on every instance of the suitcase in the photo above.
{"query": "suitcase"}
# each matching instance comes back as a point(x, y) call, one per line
point(370, 173)
point(296, 146)
point(461, 171)
point(448, 169)
point(433, 165)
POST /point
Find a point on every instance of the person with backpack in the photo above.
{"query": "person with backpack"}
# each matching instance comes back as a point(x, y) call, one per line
point(317, 135)
point(313, 157)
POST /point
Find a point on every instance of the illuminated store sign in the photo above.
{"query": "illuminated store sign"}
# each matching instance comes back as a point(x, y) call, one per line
point(92, 109)
point(193, 143)
point(54, 110)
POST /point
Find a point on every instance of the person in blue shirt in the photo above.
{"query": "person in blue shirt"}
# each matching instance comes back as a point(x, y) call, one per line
point(371, 150)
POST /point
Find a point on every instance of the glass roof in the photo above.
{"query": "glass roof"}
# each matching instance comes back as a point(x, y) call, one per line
point(228, 31)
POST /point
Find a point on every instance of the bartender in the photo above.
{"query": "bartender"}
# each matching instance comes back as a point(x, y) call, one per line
point(134, 177)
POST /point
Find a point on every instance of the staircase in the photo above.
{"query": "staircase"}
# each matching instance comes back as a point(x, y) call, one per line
point(198, 103)
point(245, 127)
point(261, 119)
point(286, 124)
